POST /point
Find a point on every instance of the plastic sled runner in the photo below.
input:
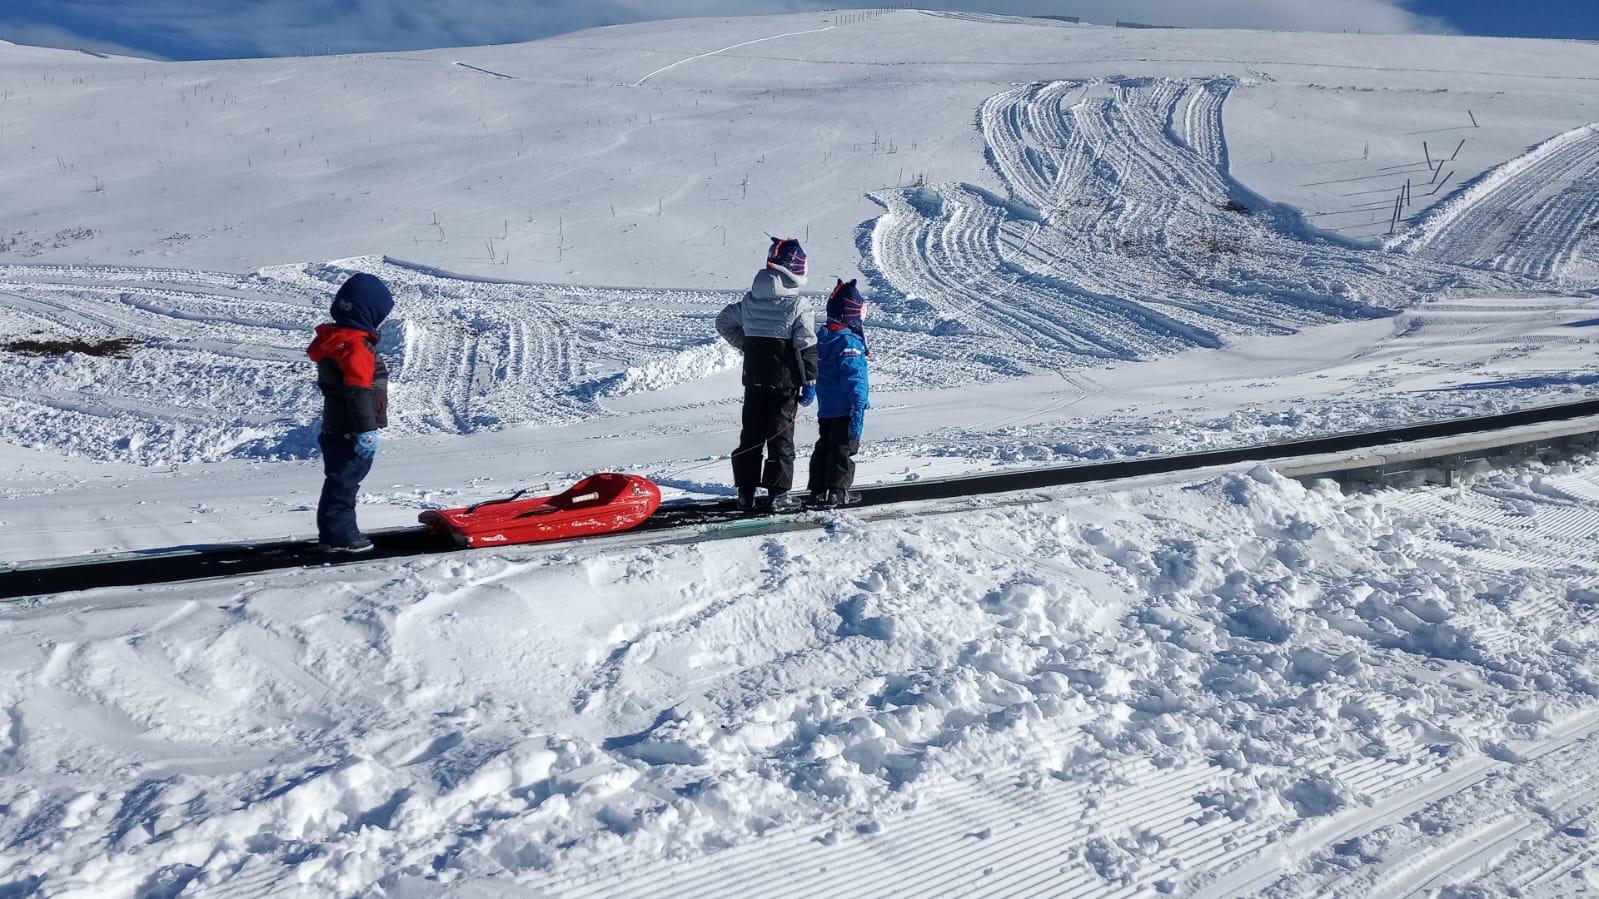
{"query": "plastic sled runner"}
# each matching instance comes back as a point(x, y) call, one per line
point(598, 504)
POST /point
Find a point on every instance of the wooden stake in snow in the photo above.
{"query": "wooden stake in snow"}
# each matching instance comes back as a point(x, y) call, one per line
point(1443, 182)
point(1426, 153)
point(1457, 149)
point(1473, 119)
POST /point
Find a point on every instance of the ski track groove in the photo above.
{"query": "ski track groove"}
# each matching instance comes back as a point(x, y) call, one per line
point(1525, 217)
point(951, 860)
point(474, 355)
point(1112, 241)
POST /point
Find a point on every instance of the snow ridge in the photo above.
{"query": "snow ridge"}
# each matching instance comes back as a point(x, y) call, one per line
point(1527, 216)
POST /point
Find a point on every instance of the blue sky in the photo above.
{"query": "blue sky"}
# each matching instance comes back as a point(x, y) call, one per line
point(197, 29)
point(1523, 18)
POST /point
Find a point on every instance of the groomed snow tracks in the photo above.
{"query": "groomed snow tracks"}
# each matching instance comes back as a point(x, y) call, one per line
point(1120, 235)
point(1128, 829)
point(220, 368)
point(1527, 216)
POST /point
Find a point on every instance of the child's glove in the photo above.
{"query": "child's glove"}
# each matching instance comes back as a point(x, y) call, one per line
point(857, 423)
point(366, 444)
point(808, 393)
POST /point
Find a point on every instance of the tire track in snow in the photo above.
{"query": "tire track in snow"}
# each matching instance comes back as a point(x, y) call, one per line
point(1526, 216)
point(220, 368)
point(1120, 235)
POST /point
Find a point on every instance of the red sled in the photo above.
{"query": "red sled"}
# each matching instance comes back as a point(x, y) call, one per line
point(598, 504)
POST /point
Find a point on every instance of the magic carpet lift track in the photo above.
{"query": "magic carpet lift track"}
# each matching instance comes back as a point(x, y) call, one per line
point(1357, 456)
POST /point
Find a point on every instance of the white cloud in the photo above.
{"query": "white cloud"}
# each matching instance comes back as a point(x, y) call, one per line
point(284, 27)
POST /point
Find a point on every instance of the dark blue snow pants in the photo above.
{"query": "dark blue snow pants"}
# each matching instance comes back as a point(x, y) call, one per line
point(335, 513)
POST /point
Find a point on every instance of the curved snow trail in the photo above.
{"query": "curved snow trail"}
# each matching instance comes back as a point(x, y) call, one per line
point(1528, 216)
point(1119, 236)
point(760, 40)
point(220, 367)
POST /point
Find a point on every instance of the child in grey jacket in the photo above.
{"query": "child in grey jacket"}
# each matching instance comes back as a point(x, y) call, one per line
point(772, 325)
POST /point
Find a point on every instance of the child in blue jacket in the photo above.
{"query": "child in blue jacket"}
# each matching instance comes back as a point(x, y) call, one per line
point(841, 393)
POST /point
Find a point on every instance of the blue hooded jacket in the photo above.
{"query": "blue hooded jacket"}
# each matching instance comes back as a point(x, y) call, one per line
point(362, 302)
point(842, 389)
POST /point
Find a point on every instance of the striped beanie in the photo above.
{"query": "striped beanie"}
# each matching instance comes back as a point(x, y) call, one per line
point(787, 256)
point(846, 304)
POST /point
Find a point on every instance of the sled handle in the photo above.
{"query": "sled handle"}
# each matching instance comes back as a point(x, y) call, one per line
point(495, 502)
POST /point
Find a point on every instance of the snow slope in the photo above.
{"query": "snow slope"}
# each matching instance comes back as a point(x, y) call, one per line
point(1530, 216)
point(1214, 689)
point(1472, 355)
point(220, 366)
point(1092, 219)
point(1080, 243)
point(579, 173)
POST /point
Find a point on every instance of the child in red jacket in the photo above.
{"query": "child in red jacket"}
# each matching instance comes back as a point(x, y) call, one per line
point(355, 397)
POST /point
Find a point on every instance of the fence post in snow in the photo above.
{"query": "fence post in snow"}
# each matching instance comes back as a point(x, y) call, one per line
point(1457, 149)
point(1426, 153)
point(1473, 119)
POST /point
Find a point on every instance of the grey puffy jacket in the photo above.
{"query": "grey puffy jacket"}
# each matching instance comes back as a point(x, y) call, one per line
point(773, 326)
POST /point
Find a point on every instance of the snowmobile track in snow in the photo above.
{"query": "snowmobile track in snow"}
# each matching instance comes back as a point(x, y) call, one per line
point(1526, 217)
point(464, 355)
point(1122, 235)
point(691, 521)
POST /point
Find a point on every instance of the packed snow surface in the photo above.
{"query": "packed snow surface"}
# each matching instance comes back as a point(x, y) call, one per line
point(1077, 244)
point(1240, 685)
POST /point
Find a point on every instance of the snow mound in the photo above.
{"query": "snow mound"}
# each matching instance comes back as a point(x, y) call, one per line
point(692, 364)
point(1239, 661)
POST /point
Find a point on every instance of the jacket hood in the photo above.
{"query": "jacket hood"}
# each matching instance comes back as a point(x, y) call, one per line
point(771, 284)
point(363, 302)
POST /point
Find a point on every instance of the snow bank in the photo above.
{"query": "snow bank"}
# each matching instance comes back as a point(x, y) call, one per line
point(576, 719)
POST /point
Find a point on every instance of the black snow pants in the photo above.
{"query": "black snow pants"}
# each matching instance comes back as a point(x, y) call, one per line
point(343, 471)
point(833, 460)
point(769, 422)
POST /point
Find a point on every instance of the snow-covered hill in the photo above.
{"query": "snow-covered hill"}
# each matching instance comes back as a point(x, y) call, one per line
point(1078, 243)
point(658, 154)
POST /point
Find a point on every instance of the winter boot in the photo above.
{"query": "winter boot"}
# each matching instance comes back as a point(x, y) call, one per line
point(746, 501)
point(361, 544)
point(785, 502)
point(843, 498)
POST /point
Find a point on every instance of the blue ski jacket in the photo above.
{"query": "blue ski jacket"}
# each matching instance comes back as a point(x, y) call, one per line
point(841, 385)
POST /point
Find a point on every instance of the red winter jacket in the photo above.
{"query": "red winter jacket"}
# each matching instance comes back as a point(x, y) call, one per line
point(353, 379)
